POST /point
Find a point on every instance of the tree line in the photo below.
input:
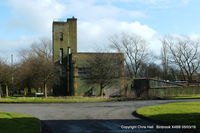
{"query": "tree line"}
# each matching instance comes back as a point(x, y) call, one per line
point(34, 70)
point(178, 60)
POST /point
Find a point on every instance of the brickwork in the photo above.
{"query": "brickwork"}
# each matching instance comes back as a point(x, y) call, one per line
point(69, 31)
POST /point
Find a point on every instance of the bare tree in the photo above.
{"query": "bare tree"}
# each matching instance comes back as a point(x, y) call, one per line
point(45, 73)
point(150, 70)
point(135, 49)
point(184, 53)
point(104, 69)
point(164, 59)
point(5, 75)
point(154, 70)
point(24, 76)
point(44, 64)
point(41, 48)
point(38, 66)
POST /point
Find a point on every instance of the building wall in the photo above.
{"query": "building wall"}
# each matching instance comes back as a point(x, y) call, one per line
point(80, 85)
point(71, 82)
point(69, 40)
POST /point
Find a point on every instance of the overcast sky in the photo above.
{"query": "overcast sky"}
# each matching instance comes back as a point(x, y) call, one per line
point(25, 21)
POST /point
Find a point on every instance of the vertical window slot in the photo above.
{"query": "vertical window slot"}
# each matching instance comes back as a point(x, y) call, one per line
point(61, 36)
point(61, 55)
point(68, 50)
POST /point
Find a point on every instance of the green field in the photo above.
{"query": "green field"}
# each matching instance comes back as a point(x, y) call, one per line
point(184, 113)
point(56, 99)
point(18, 123)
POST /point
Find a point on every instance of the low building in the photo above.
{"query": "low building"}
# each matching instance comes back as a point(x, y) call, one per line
point(73, 64)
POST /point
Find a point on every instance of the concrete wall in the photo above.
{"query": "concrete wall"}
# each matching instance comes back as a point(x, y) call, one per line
point(145, 87)
point(180, 91)
point(80, 85)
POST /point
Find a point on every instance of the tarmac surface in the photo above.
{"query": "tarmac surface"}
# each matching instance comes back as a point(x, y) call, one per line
point(97, 117)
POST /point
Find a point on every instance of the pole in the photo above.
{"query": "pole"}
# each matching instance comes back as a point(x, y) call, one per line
point(68, 70)
point(12, 80)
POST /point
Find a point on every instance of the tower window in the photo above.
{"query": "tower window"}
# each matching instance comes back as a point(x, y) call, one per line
point(61, 36)
point(61, 55)
point(68, 50)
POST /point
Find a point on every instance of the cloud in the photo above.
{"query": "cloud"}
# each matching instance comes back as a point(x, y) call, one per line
point(194, 36)
point(96, 22)
point(155, 3)
point(186, 1)
point(152, 1)
point(91, 35)
point(34, 15)
point(13, 46)
point(30, 21)
point(96, 34)
point(37, 15)
point(91, 10)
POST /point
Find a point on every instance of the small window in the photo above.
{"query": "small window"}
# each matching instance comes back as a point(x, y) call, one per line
point(61, 36)
point(61, 55)
point(82, 72)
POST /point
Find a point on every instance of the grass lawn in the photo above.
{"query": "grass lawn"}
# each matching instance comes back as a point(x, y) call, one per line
point(184, 113)
point(18, 123)
point(57, 99)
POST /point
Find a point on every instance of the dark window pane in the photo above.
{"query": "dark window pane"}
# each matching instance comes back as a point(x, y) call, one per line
point(83, 72)
point(61, 36)
point(61, 55)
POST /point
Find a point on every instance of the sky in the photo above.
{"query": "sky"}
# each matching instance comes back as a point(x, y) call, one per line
point(24, 21)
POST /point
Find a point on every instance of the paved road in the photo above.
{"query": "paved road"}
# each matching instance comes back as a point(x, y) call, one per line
point(108, 117)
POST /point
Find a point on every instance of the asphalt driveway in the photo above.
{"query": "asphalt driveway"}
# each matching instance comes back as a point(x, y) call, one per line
point(100, 117)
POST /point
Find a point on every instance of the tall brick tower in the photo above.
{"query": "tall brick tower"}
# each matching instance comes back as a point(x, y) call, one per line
point(64, 45)
point(64, 39)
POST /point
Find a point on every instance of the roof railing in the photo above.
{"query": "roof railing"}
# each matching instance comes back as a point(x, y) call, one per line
point(59, 20)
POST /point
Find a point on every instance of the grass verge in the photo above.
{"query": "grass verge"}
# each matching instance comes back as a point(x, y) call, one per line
point(56, 99)
point(183, 113)
point(18, 123)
